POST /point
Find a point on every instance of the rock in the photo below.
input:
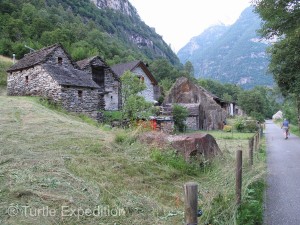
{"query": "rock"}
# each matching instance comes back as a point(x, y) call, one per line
point(197, 144)
point(277, 116)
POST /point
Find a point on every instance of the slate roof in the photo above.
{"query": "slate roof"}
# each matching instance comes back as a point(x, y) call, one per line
point(71, 77)
point(96, 61)
point(36, 58)
point(83, 64)
point(120, 69)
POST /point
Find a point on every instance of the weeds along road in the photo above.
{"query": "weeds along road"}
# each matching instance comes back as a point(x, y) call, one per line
point(283, 180)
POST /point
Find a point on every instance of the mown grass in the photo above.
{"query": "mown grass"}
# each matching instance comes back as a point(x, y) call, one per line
point(50, 158)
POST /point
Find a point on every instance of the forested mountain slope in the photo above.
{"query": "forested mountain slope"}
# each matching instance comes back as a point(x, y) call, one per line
point(230, 54)
point(109, 28)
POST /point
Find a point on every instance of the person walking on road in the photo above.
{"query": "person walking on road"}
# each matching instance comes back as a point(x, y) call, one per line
point(285, 127)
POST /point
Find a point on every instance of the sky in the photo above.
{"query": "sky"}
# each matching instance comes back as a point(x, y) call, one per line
point(177, 21)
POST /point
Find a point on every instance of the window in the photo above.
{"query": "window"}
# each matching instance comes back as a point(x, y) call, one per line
point(59, 60)
point(79, 93)
point(26, 79)
point(98, 74)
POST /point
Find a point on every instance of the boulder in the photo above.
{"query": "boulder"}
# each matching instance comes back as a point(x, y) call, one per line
point(198, 144)
point(188, 145)
point(277, 116)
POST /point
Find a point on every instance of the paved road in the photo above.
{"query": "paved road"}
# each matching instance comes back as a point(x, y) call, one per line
point(283, 191)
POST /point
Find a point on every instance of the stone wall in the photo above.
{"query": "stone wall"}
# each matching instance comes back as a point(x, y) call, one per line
point(112, 90)
point(33, 81)
point(113, 87)
point(40, 83)
point(59, 52)
point(211, 115)
point(82, 100)
point(192, 123)
point(148, 94)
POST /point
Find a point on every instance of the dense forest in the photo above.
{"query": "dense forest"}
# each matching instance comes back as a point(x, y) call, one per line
point(82, 28)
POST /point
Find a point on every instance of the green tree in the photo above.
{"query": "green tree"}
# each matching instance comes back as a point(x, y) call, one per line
point(161, 69)
point(180, 114)
point(134, 105)
point(281, 20)
point(254, 103)
point(189, 69)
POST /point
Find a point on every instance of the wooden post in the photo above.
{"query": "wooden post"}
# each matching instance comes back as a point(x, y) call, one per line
point(251, 141)
point(191, 203)
point(239, 164)
point(255, 142)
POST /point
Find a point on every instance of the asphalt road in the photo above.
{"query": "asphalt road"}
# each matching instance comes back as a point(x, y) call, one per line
point(282, 202)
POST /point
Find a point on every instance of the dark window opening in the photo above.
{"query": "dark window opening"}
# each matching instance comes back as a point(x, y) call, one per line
point(59, 60)
point(98, 75)
point(79, 93)
point(26, 79)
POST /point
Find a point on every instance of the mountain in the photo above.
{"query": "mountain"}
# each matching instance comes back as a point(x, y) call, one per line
point(110, 28)
point(230, 54)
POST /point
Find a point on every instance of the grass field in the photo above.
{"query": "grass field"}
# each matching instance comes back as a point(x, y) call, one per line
point(55, 162)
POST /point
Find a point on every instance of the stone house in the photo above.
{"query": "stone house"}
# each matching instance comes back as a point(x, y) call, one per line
point(51, 73)
point(152, 91)
point(204, 112)
point(106, 78)
point(230, 107)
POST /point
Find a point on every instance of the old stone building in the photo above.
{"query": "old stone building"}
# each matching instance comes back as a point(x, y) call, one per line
point(106, 78)
point(204, 112)
point(51, 73)
point(152, 91)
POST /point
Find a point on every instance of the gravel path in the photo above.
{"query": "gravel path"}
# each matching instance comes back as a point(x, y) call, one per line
point(282, 205)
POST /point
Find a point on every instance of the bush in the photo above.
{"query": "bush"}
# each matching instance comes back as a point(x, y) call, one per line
point(239, 124)
point(110, 116)
point(227, 128)
point(179, 115)
point(251, 125)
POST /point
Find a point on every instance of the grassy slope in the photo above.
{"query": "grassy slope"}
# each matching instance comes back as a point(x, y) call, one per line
point(50, 159)
point(5, 63)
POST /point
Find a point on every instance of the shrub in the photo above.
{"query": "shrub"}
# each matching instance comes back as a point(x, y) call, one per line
point(179, 115)
point(110, 116)
point(239, 124)
point(227, 128)
point(251, 125)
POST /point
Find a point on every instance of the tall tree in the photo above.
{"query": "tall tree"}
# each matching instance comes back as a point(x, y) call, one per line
point(134, 105)
point(281, 20)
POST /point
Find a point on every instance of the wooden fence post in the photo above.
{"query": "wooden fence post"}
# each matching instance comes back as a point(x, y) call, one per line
point(239, 164)
point(191, 203)
point(255, 142)
point(251, 141)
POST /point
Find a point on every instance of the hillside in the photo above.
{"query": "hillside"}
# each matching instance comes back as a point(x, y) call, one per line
point(5, 63)
point(230, 54)
point(109, 28)
point(54, 161)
